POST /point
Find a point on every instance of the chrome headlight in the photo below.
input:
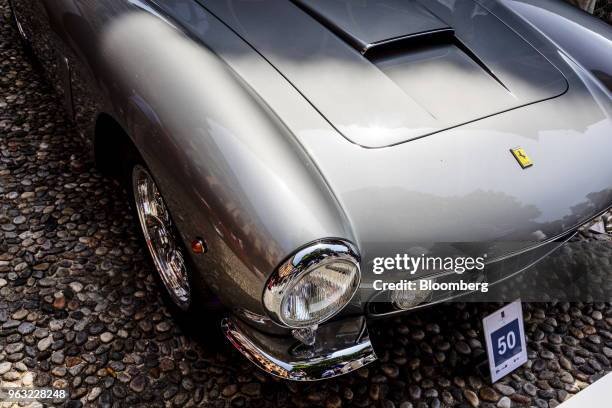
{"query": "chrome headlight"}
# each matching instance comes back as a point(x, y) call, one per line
point(314, 284)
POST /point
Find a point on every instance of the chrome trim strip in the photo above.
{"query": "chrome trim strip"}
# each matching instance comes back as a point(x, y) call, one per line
point(319, 367)
point(571, 230)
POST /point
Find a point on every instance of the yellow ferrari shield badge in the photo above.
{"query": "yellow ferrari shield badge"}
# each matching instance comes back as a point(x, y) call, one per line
point(521, 157)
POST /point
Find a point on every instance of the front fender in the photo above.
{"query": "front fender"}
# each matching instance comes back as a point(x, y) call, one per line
point(584, 38)
point(229, 169)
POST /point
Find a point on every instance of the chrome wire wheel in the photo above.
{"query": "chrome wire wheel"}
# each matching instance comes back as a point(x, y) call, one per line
point(158, 232)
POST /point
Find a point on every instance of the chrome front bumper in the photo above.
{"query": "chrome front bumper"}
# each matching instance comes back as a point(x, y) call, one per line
point(340, 347)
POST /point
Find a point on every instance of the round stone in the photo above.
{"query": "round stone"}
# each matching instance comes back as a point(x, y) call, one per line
point(94, 393)
point(162, 327)
point(5, 367)
point(27, 380)
point(504, 402)
point(390, 370)
point(504, 389)
point(530, 389)
point(26, 328)
point(45, 343)
point(462, 347)
point(19, 220)
point(96, 328)
point(471, 398)
point(414, 391)
point(170, 392)
point(488, 394)
point(76, 286)
point(547, 355)
point(20, 314)
point(138, 383)
point(229, 390)
point(56, 325)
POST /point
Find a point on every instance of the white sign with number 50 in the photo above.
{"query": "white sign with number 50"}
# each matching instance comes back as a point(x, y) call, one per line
point(505, 338)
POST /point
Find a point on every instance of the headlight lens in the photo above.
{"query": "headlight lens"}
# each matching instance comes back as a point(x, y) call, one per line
point(313, 285)
point(320, 293)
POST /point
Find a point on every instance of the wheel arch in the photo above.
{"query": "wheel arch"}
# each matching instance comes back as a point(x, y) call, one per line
point(110, 141)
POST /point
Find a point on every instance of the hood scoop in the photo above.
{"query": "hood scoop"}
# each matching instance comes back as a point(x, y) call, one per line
point(384, 72)
point(376, 25)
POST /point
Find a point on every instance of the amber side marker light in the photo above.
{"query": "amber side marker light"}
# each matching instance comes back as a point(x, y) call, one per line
point(198, 246)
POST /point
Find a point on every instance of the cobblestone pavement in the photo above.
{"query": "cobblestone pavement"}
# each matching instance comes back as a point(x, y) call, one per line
point(603, 10)
point(599, 8)
point(79, 307)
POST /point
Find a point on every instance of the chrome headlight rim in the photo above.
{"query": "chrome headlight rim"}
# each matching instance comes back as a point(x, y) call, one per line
point(301, 263)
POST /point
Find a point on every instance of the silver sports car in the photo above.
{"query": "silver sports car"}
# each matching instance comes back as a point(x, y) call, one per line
point(275, 149)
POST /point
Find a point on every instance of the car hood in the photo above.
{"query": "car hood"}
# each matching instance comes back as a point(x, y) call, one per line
point(459, 190)
point(384, 72)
